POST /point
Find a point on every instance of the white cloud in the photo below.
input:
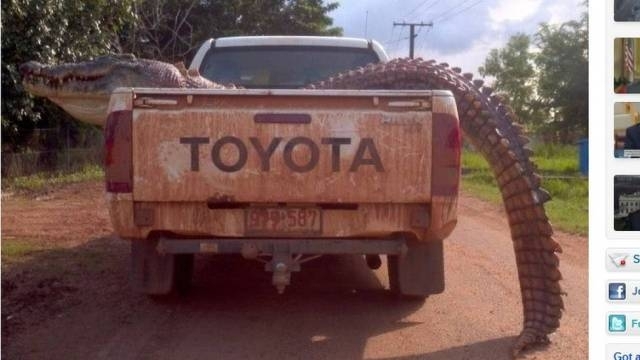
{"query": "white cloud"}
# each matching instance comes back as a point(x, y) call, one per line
point(562, 11)
point(468, 60)
point(509, 10)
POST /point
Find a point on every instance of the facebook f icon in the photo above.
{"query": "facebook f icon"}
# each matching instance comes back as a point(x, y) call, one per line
point(617, 291)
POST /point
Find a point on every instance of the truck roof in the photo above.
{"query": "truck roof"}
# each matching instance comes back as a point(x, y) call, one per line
point(280, 40)
point(292, 40)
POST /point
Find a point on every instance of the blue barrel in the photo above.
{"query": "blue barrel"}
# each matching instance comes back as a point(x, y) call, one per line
point(583, 151)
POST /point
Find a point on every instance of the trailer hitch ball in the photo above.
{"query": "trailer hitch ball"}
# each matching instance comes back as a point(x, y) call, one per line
point(281, 276)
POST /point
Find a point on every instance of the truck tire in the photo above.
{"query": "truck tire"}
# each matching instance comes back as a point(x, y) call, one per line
point(154, 273)
point(419, 273)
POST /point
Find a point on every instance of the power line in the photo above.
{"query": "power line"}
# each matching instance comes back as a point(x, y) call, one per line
point(427, 31)
point(392, 46)
point(460, 12)
point(450, 9)
point(412, 33)
point(418, 7)
point(390, 38)
point(396, 42)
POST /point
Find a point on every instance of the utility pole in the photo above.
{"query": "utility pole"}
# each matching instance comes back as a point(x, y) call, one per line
point(412, 32)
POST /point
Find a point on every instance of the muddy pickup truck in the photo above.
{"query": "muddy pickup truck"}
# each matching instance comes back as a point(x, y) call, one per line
point(279, 174)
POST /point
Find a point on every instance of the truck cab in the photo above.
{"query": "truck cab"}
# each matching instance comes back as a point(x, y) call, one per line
point(282, 62)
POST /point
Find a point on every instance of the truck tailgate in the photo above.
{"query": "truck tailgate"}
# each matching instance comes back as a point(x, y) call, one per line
point(282, 146)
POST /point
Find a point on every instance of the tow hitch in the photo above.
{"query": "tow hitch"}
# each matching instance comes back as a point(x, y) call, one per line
point(282, 257)
point(282, 263)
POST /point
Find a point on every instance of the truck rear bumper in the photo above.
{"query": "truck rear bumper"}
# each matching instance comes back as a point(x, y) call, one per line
point(251, 248)
point(415, 269)
point(422, 222)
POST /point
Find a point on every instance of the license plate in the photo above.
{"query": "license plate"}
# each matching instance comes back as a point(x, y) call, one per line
point(283, 221)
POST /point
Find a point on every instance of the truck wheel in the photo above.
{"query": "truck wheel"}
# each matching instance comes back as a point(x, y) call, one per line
point(419, 273)
point(154, 273)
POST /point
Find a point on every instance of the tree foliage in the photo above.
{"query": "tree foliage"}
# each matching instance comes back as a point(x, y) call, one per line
point(546, 75)
point(171, 30)
point(50, 31)
point(54, 31)
point(514, 74)
point(563, 76)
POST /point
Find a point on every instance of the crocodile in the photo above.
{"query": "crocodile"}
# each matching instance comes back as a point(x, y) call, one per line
point(487, 122)
point(82, 89)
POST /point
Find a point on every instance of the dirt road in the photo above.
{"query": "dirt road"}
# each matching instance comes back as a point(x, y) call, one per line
point(66, 296)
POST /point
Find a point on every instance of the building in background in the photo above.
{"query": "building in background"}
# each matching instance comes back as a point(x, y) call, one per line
point(626, 189)
point(629, 203)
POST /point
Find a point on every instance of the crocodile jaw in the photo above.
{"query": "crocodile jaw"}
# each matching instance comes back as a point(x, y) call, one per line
point(90, 110)
point(87, 107)
point(83, 89)
point(85, 99)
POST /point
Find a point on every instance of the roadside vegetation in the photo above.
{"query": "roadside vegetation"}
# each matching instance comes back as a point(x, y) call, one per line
point(558, 165)
point(44, 181)
point(14, 249)
point(544, 75)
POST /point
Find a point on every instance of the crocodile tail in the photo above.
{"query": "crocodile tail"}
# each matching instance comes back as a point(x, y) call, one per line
point(489, 124)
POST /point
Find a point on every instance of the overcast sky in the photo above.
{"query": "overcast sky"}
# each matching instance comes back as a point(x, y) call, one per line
point(463, 32)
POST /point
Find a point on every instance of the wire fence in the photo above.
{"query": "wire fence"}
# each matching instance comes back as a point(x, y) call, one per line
point(55, 151)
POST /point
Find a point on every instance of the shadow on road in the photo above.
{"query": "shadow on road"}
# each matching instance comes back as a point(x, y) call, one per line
point(79, 305)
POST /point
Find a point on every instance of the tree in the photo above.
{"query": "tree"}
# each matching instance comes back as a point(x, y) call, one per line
point(50, 31)
point(563, 76)
point(512, 68)
point(546, 76)
point(171, 30)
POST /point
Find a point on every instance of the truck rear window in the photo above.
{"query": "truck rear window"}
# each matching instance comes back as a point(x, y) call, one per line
point(280, 67)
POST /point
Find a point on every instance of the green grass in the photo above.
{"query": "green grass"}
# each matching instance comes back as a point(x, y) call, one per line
point(551, 159)
point(557, 159)
point(559, 167)
point(483, 185)
point(16, 249)
point(55, 259)
point(42, 181)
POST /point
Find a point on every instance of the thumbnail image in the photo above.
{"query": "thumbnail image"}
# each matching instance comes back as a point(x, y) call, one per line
point(626, 65)
point(626, 10)
point(626, 194)
point(626, 129)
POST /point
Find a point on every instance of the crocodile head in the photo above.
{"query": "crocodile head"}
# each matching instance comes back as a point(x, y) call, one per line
point(82, 89)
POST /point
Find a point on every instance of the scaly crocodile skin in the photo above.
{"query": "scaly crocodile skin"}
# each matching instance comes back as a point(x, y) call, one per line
point(489, 125)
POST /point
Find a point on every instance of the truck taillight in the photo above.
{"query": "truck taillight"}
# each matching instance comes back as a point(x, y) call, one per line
point(117, 160)
point(446, 154)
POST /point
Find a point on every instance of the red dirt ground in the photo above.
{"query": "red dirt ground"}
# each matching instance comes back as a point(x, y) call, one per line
point(68, 297)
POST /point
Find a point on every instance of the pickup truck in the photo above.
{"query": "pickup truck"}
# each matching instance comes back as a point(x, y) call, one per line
point(279, 174)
